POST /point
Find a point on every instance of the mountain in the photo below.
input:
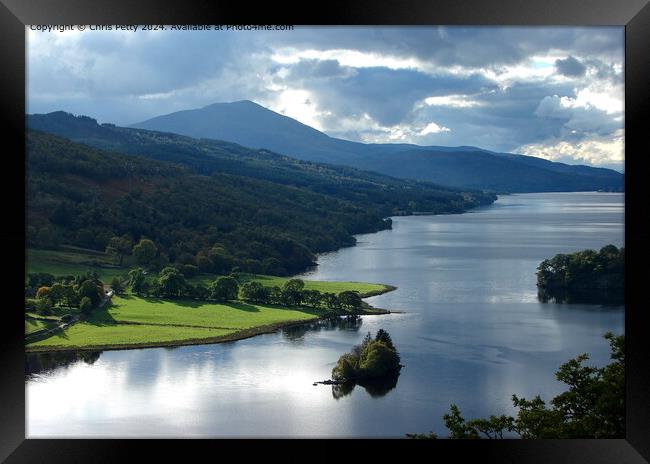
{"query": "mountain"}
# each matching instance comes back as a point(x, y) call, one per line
point(213, 204)
point(252, 125)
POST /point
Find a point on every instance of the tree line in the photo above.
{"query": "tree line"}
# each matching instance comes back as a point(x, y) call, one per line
point(171, 283)
point(44, 293)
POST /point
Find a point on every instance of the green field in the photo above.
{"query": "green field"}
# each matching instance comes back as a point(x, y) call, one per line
point(73, 261)
point(34, 325)
point(40, 316)
point(235, 315)
point(87, 334)
point(132, 320)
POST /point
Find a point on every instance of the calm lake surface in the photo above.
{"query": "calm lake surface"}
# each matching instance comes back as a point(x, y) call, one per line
point(472, 333)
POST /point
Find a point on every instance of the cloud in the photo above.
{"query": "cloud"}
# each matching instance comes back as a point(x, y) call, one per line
point(368, 130)
point(499, 88)
point(597, 151)
point(433, 128)
point(387, 95)
point(305, 69)
point(578, 115)
point(475, 47)
point(454, 101)
point(570, 67)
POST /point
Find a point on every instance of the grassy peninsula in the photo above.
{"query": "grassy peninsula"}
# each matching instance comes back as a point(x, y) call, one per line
point(135, 322)
point(129, 320)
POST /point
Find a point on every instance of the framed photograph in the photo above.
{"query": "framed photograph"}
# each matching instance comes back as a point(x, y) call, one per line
point(416, 221)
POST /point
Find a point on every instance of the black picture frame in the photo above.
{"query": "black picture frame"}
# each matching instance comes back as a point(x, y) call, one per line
point(633, 14)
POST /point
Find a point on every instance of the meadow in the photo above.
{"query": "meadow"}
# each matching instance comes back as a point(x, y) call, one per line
point(73, 261)
point(34, 325)
point(131, 321)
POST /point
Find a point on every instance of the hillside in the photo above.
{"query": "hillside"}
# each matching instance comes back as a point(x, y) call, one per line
point(252, 125)
point(387, 195)
point(216, 206)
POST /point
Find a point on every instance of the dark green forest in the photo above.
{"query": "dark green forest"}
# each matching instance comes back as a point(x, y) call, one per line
point(263, 214)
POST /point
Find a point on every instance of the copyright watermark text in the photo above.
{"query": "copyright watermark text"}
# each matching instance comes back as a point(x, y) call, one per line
point(150, 27)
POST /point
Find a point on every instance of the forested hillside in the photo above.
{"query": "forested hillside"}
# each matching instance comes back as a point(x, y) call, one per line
point(255, 211)
point(381, 193)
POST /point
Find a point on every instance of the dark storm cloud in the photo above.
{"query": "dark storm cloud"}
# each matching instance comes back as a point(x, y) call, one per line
point(318, 69)
point(570, 67)
point(604, 71)
point(386, 95)
point(579, 119)
point(480, 46)
point(124, 78)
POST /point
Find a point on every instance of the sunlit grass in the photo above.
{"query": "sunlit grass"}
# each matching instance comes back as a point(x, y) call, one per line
point(86, 334)
point(34, 325)
point(131, 320)
point(235, 315)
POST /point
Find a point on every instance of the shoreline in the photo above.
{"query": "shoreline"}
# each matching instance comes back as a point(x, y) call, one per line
point(368, 310)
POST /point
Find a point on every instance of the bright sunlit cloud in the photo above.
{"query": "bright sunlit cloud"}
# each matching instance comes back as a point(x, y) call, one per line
point(297, 104)
point(596, 151)
point(351, 58)
point(455, 101)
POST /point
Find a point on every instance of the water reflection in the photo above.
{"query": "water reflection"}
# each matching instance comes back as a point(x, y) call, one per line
point(297, 332)
point(594, 297)
point(376, 388)
point(41, 363)
point(170, 348)
point(343, 389)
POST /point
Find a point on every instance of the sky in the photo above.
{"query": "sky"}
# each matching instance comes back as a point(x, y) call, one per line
point(552, 92)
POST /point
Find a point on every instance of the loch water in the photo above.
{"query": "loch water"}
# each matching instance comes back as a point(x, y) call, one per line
point(471, 331)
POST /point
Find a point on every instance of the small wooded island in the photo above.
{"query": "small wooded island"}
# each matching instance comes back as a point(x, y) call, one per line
point(372, 360)
point(587, 276)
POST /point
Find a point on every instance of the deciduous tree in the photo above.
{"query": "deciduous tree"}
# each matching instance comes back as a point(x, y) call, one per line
point(145, 251)
point(137, 280)
point(120, 247)
point(171, 282)
point(224, 289)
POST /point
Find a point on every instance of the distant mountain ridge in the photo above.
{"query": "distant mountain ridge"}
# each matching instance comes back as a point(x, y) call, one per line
point(387, 195)
point(252, 125)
